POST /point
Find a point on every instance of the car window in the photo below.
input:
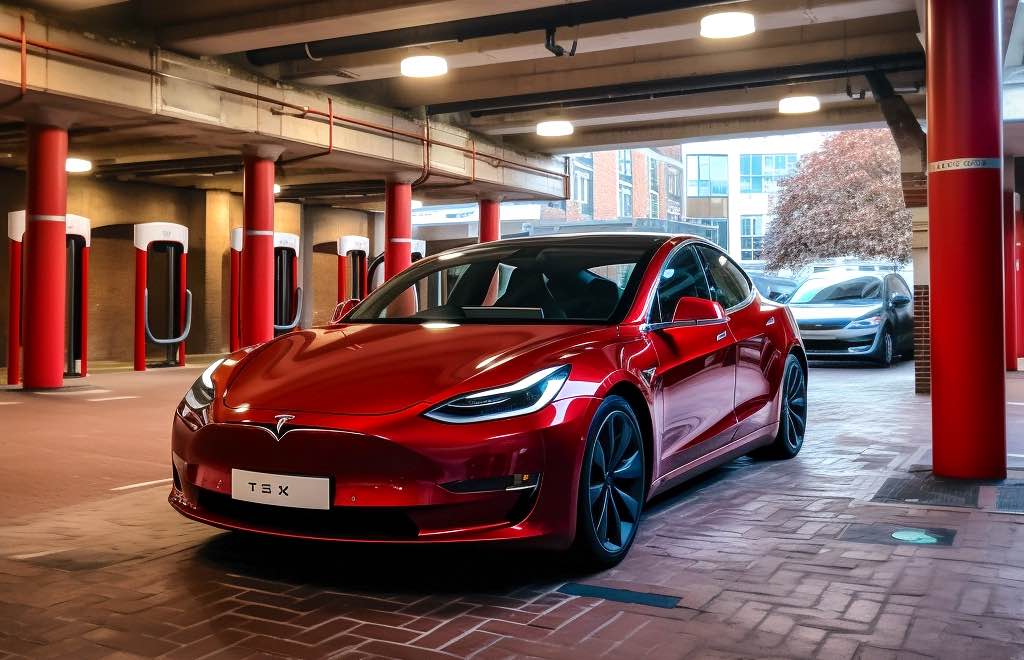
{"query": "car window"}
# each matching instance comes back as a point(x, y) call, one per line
point(729, 286)
point(897, 285)
point(866, 289)
point(682, 276)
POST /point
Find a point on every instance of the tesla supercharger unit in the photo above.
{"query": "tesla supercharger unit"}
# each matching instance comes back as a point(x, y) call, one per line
point(375, 275)
point(76, 293)
point(287, 292)
point(166, 242)
point(352, 254)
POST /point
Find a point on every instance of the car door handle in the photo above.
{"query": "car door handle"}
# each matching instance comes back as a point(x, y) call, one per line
point(770, 321)
point(721, 335)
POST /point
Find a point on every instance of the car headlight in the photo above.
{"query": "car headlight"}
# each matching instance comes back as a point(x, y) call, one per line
point(860, 324)
point(200, 395)
point(520, 398)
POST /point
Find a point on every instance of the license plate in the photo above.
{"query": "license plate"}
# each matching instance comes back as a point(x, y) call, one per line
point(281, 489)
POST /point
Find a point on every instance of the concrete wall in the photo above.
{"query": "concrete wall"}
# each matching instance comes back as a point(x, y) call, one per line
point(327, 224)
point(113, 207)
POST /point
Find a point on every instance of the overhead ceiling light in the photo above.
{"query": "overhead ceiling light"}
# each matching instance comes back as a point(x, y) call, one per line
point(277, 188)
point(794, 105)
point(417, 204)
point(727, 24)
point(424, 66)
point(77, 165)
point(554, 128)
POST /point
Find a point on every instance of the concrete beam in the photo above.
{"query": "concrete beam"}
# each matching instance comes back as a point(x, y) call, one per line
point(679, 59)
point(857, 115)
point(216, 27)
point(680, 25)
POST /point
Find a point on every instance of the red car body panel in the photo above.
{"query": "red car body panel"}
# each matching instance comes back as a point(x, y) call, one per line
point(357, 394)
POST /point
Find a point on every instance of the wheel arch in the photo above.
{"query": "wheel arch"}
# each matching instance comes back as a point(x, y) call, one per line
point(638, 402)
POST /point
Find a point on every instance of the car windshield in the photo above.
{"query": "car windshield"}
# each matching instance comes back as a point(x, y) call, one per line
point(853, 290)
point(508, 283)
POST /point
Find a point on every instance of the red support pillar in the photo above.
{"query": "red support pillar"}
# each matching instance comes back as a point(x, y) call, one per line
point(182, 289)
point(257, 283)
point(141, 277)
point(45, 231)
point(1010, 278)
point(234, 334)
point(397, 228)
point(490, 220)
point(966, 239)
point(14, 316)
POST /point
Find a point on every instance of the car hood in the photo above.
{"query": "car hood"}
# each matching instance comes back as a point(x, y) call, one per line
point(832, 312)
point(375, 369)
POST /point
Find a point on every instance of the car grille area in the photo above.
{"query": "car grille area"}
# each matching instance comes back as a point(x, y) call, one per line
point(339, 522)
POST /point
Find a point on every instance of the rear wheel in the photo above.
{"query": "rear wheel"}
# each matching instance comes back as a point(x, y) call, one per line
point(612, 485)
point(793, 415)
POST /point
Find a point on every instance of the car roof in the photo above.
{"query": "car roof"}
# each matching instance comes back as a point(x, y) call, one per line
point(843, 276)
point(637, 239)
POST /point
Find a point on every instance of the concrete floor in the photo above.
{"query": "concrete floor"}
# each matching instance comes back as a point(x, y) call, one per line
point(756, 559)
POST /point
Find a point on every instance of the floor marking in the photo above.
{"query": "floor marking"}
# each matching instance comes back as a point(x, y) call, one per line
point(72, 393)
point(113, 398)
point(1016, 455)
point(1014, 403)
point(143, 484)
point(9, 403)
point(33, 555)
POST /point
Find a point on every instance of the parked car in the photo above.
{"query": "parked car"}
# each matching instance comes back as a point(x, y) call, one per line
point(855, 315)
point(773, 287)
point(537, 389)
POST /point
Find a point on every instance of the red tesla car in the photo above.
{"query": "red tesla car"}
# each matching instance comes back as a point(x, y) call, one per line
point(538, 389)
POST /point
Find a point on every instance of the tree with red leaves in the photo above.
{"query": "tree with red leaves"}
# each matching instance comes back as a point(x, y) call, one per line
point(844, 200)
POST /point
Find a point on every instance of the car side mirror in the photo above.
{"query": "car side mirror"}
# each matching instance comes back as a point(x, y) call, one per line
point(695, 310)
point(899, 300)
point(342, 310)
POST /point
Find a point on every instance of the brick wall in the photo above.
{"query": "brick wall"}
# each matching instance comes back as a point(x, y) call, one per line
point(922, 340)
point(606, 185)
point(641, 186)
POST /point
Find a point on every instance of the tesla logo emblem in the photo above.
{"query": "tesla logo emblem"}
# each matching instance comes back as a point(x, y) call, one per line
point(281, 421)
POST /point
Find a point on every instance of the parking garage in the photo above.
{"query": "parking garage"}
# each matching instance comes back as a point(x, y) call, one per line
point(200, 198)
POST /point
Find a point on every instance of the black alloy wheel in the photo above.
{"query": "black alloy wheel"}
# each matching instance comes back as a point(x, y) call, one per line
point(612, 484)
point(793, 412)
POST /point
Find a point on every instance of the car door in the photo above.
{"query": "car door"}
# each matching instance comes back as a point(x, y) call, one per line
point(695, 374)
point(756, 333)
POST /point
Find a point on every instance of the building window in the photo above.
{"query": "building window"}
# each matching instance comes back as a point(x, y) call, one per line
point(760, 173)
point(583, 185)
point(625, 160)
point(672, 178)
point(625, 201)
point(751, 237)
point(707, 176)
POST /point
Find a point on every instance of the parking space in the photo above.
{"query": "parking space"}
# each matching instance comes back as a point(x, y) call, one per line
point(785, 559)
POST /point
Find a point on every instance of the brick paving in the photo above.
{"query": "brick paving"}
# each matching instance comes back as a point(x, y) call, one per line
point(752, 552)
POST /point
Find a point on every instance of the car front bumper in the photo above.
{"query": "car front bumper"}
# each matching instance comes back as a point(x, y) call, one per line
point(840, 343)
point(393, 478)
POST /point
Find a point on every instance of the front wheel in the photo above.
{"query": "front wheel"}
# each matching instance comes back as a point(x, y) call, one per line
point(612, 485)
point(793, 413)
point(886, 349)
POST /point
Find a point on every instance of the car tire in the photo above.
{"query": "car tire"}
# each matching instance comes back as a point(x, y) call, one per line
point(792, 413)
point(886, 355)
point(610, 498)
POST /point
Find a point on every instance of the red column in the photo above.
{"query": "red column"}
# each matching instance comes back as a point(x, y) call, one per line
point(14, 316)
point(182, 301)
point(966, 239)
point(257, 283)
point(141, 275)
point(84, 302)
point(234, 335)
point(490, 220)
point(1009, 280)
point(397, 228)
point(45, 233)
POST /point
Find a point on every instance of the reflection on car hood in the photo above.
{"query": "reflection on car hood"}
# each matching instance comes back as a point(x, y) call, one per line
point(375, 369)
point(833, 311)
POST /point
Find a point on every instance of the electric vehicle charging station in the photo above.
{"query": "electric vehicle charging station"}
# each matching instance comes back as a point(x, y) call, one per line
point(375, 272)
point(161, 248)
point(287, 292)
point(76, 293)
point(353, 254)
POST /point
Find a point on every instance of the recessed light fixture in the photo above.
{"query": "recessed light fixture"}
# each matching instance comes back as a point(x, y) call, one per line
point(417, 204)
point(727, 25)
point(424, 66)
point(554, 128)
point(77, 165)
point(795, 105)
point(277, 188)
